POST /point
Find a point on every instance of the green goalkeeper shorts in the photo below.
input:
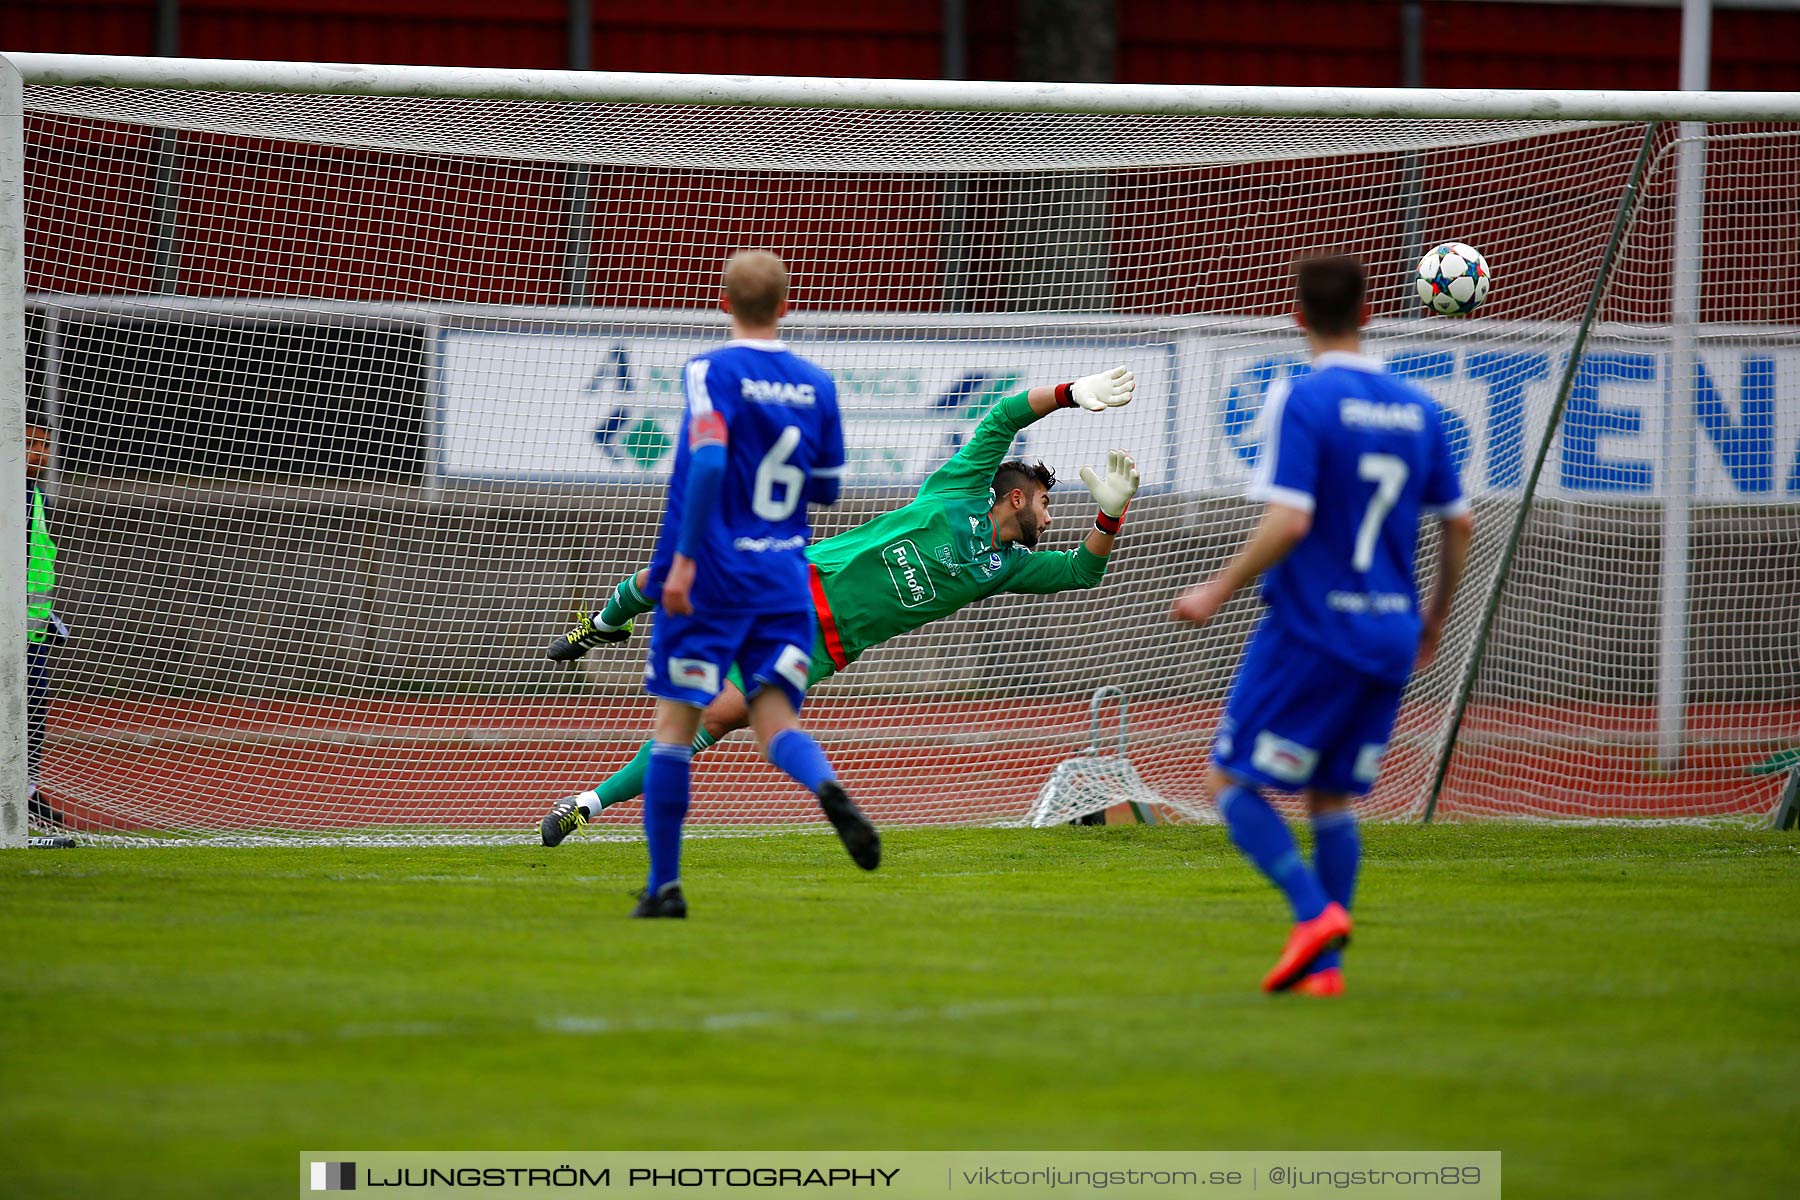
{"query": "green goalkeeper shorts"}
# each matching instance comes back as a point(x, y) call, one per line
point(820, 669)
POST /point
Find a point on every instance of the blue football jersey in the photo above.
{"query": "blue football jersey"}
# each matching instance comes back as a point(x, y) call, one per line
point(777, 414)
point(1366, 454)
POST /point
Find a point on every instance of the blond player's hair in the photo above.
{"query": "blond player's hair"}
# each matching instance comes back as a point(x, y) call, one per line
point(756, 282)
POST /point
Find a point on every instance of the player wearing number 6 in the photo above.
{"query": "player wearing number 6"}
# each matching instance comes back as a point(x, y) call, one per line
point(1351, 459)
point(969, 535)
point(760, 438)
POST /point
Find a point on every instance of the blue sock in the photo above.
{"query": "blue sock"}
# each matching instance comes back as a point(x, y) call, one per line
point(665, 808)
point(1258, 830)
point(1337, 853)
point(794, 751)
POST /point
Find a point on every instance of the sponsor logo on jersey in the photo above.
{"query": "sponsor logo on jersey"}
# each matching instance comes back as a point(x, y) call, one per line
point(793, 666)
point(985, 561)
point(694, 673)
point(1368, 602)
point(776, 391)
point(947, 556)
point(1371, 414)
point(1368, 762)
point(763, 545)
point(906, 567)
point(1280, 759)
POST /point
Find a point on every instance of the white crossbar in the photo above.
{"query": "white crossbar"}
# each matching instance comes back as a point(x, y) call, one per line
point(99, 70)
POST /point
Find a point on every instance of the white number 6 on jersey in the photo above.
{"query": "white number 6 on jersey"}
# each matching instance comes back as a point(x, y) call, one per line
point(776, 471)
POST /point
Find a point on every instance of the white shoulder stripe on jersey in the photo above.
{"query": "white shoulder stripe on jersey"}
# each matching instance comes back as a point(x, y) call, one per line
point(1262, 476)
point(698, 398)
point(1286, 497)
point(1455, 508)
point(827, 472)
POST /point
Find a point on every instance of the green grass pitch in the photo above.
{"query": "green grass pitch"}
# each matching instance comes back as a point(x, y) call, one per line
point(1613, 1009)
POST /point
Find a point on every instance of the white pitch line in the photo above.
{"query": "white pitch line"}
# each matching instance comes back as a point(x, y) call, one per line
point(574, 1025)
point(726, 1022)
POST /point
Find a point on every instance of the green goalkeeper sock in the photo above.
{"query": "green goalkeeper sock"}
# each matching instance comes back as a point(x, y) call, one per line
point(627, 783)
point(627, 602)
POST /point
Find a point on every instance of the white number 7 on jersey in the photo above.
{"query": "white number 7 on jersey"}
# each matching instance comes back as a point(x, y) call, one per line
point(1388, 473)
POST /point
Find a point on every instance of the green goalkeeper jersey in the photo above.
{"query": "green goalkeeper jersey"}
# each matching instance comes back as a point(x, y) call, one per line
point(909, 567)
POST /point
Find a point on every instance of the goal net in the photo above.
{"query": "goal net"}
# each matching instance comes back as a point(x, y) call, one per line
point(353, 399)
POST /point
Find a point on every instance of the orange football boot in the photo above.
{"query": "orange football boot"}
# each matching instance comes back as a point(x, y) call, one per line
point(1330, 930)
point(1329, 982)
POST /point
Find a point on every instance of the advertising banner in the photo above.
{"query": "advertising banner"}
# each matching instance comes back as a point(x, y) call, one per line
point(1497, 397)
point(604, 408)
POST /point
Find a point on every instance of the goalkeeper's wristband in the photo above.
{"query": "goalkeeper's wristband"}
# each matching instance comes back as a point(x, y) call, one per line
point(1109, 525)
point(1065, 395)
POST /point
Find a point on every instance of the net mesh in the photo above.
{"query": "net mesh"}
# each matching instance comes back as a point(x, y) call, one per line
point(355, 399)
point(1573, 726)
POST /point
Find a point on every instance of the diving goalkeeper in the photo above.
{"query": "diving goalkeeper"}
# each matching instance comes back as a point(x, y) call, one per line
point(969, 535)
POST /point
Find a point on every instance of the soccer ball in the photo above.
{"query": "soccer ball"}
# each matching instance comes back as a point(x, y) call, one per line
point(1453, 279)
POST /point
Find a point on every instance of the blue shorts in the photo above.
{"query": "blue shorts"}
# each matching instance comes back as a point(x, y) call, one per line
point(690, 656)
point(1298, 719)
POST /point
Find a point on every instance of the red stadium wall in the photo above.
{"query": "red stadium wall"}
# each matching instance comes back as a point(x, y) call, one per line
point(79, 26)
point(1603, 46)
point(519, 33)
point(384, 247)
point(1468, 43)
point(871, 37)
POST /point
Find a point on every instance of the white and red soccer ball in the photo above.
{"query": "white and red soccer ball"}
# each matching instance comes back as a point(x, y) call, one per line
point(1453, 279)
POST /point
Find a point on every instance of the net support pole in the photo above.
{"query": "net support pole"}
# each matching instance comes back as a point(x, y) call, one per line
point(953, 63)
point(1621, 218)
point(581, 34)
point(14, 764)
point(1412, 164)
point(1679, 429)
point(953, 40)
point(436, 452)
point(578, 241)
point(50, 478)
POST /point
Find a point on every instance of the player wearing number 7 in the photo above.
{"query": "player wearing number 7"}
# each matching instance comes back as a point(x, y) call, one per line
point(1351, 459)
point(969, 535)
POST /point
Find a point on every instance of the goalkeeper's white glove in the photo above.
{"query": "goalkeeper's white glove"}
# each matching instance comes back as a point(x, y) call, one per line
point(1112, 491)
point(1097, 393)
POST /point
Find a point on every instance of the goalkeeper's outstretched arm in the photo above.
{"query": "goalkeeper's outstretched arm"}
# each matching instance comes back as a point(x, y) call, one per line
point(971, 469)
point(1112, 487)
point(1096, 393)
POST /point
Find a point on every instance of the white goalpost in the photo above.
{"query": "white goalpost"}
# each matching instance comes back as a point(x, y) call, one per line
point(358, 379)
point(13, 715)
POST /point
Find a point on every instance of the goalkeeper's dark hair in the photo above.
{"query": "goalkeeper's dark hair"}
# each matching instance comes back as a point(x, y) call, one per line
point(1331, 291)
point(1017, 473)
